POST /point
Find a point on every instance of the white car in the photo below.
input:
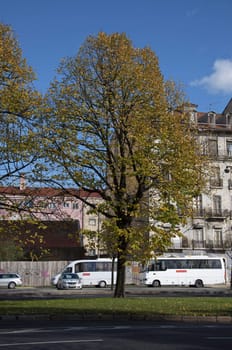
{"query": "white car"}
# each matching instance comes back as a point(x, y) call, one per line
point(69, 281)
point(10, 280)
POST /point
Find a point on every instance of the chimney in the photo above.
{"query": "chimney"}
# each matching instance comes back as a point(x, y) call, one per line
point(212, 119)
point(22, 182)
point(191, 109)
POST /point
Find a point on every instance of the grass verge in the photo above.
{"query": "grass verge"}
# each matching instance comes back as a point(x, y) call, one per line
point(196, 306)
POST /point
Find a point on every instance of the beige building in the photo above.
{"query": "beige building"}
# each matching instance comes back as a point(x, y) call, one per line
point(209, 231)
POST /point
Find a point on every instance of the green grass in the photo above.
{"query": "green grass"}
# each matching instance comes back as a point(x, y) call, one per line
point(197, 306)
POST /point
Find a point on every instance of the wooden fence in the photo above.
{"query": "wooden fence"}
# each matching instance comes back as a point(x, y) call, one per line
point(34, 273)
point(39, 273)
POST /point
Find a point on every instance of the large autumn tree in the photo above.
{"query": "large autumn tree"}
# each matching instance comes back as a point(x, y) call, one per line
point(112, 127)
point(19, 103)
point(19, 147)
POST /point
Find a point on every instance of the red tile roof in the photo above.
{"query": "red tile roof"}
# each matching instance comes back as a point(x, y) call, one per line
point(47, 192)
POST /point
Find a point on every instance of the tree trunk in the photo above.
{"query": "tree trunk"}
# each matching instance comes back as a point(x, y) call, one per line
point(121, 276)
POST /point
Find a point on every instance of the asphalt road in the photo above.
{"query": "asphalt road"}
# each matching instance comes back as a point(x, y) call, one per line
point(114, 336)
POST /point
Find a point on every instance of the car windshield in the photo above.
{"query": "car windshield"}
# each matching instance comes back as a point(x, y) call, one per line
point(70, 276)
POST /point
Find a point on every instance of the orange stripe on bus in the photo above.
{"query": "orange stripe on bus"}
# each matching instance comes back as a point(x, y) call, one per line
point(181, 270)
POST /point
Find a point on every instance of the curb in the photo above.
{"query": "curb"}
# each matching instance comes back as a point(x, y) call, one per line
point(120, 317)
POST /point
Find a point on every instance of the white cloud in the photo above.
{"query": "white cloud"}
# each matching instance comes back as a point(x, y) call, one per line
point(221, 78)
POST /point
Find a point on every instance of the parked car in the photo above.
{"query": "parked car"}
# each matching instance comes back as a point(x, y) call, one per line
point(10, 280)
point(69, 281)
point(55, 279)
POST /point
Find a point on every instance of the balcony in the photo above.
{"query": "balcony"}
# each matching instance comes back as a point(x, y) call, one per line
point(185, 243)
point(211, 213)
point(192, 243)
point(202, 244)
point(211, 244)
point(217, 214)
point(216, 183)
point(198, 213)
point(196, 244)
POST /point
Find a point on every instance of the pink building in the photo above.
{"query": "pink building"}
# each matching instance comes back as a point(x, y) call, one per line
point(62, 212)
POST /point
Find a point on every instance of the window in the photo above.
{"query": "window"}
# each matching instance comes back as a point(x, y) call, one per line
point(75, 205)
point(215, 264)
point(52, 205)
point(217, 205)
point(212, 147)
point(68, 269)
point(218, 238)
point(66, 204)
point(198, 238)
point(104, 266)
point(229, 119)
point(173, 264)
point(197, 206)
point(92, 222)
point(211, 118)
point(85, 267)
point(159, 265)
point(198, 234)
point(28, 204)
point(215, 179)
point(229, 148)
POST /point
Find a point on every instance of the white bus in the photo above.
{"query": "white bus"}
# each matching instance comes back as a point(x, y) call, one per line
point(92, 272)
point(179, 271)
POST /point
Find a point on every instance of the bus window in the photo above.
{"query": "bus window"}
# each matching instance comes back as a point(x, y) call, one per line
point(83, 267)
point(90, 266)
point(171, 264)
point(78, 267)
point(215, 264)
point(195, 264)
point(151, 267)
point(101, 266)
point(160, 265)
point(204, 264)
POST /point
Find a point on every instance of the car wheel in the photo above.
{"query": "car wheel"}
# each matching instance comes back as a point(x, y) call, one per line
point(11, 285)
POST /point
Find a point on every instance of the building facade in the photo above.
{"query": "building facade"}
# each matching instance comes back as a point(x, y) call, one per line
point(209, 230)
point(62, 213)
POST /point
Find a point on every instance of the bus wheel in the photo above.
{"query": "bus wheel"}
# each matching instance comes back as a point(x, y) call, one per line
point(199, 284)
point(156, 283)
point(102, 284)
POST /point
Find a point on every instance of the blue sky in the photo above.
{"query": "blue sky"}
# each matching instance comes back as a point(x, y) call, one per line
point(192, 38)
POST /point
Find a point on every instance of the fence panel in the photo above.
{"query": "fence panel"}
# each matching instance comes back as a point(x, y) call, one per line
point(34, 273)
point(39, 273)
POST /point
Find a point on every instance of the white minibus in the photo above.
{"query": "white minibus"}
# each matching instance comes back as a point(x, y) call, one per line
point(93, 272)
point(195, 271)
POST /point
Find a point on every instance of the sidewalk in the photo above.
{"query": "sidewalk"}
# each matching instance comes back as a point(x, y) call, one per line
point(119, 317)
